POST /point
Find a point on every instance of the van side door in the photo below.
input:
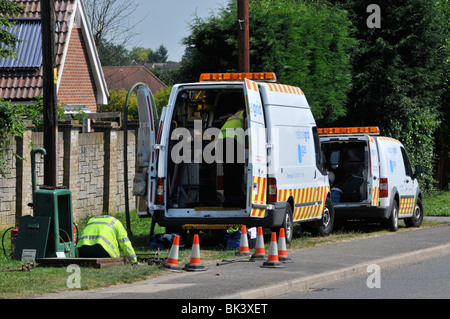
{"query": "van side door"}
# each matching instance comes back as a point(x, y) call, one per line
point(373, 173)
point(407, 195)
point(144, 186)
point(257, 162)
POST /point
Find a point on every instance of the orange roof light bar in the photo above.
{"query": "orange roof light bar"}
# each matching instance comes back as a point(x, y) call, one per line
point(255, 76)
point(374, 130)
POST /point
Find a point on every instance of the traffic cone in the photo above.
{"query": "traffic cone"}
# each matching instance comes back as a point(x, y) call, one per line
point(172, 262)
point(272, 260)
point(243, 244)
point(194, 263)
point(260, 252)
point(282, 251)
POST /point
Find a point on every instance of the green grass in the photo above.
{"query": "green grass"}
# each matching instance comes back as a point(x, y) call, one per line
point(41, 280)
point(437, 204)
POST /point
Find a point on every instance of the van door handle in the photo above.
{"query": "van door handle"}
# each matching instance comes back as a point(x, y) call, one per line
point(407, 181)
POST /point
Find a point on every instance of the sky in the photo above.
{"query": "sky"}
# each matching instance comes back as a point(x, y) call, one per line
point(167, 22)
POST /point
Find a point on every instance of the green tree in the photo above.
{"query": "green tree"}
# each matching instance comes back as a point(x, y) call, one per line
point(111, 54)
point(9, 39)
point(305, 44)
point(398, 74)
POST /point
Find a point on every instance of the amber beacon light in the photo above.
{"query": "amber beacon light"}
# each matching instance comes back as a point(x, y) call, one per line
point(255, 76)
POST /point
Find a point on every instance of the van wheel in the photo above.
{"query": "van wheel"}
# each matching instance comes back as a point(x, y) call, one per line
point(326, 224)
point(288, 225)
point(392, 221)
point(417, 218)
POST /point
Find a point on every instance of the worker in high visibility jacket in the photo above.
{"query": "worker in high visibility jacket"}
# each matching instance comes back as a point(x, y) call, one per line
point(102, 237)
point(232, 141)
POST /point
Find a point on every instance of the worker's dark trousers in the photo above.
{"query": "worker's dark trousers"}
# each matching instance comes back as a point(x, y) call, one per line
point(232, 176)
point(95, 251)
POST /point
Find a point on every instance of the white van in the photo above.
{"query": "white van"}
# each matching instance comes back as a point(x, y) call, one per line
point(371, 176)
point(179, 181)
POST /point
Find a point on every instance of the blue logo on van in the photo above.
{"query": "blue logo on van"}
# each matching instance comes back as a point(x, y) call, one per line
point(393, 165)
point(301, 150)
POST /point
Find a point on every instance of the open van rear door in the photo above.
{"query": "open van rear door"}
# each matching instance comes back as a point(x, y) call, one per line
point(144, 186)
point(257, 162)
point(374, 172)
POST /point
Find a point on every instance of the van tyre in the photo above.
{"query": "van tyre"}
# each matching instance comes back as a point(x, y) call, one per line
point(392, 221)
point(417, 218)
point(288, 224)
point(326, 223)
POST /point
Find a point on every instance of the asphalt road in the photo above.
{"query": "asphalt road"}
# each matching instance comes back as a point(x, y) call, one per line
point(427, 279)
point(311, 267)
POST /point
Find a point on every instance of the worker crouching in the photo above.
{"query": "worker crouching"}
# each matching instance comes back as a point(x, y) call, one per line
point(102, 237)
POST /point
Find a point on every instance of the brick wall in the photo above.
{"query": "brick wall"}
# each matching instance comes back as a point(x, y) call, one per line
point(90, 165)
point(77, 86)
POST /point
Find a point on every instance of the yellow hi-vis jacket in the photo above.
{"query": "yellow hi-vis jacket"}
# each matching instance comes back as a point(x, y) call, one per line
point(110, 234)
point(234, 122)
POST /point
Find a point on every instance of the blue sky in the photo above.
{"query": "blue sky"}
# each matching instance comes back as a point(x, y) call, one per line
point(167, 22)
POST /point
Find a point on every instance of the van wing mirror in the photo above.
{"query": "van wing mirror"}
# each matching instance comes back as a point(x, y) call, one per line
point(418, 171)
point(335, 158)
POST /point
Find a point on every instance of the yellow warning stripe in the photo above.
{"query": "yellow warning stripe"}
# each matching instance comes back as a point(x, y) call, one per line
point(305, 196)
point(251, 85)
point(375, 196)
point(282, 88)
point(406, 205)
point(259, 197)
point(384, 138)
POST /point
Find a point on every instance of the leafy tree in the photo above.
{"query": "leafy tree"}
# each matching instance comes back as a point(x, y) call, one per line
point(9, 39)
point(398, 74)
point(111, 54)
point(305, 44)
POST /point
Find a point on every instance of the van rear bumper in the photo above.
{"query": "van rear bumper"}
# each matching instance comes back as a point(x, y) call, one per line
point(273, 218)
point(358, 211)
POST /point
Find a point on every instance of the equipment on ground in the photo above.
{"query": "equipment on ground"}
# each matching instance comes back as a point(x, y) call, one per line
point(49, 232)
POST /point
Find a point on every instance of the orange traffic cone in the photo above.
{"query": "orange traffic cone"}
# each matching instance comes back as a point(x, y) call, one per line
point(282, 251)
point(260, 252)
point(243, 245)
point(194, 263)
point(172, 262)
point(272, 260)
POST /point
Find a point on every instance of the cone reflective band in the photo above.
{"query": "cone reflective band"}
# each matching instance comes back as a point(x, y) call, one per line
point(260, 251)
point(243, 244)
point(272, 260)
point(282, 251)
point(172, 262)
point(194, 263)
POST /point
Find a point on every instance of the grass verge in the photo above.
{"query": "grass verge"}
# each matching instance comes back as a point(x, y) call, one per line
point(42, 280)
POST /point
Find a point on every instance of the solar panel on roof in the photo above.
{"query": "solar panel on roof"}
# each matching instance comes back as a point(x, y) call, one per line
point(29, 49)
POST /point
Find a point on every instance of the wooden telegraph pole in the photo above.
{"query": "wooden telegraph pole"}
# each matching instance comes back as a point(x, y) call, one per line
point(49, 93)
point(243, 37)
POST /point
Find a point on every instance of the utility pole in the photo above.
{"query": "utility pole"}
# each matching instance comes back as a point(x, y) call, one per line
point(49, 93)
point(243, 37)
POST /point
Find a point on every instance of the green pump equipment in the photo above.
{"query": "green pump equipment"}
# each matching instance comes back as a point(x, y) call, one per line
point(49, 232)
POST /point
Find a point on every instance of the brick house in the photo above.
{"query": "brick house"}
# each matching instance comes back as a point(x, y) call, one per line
point(123, 77)
point(81, 83)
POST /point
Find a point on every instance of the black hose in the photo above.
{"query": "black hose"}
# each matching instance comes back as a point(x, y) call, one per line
point(3, 239)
